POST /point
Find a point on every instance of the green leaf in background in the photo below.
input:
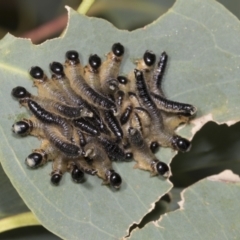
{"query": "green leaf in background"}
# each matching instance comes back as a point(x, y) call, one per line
point(209, 210)
point(201, 38)
point(20, 220)
point(215, 148)
point(29, 233)
point(13, 211)
point(10, 201)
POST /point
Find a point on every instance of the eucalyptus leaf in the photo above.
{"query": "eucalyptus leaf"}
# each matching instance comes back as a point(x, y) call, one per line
point(201, 38)
point(209, 211)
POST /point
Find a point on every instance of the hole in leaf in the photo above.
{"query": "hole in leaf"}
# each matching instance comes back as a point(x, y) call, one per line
point(161, 207)
point(214, 148)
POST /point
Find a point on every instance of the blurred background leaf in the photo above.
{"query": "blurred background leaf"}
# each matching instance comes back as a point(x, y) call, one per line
point(15, 214)
point(214, 149)
point(21, 17)
point(29, 233)
point(10, 201)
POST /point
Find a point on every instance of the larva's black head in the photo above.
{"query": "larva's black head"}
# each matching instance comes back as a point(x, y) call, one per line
point(22, 127)
point(57, 68)
point(122, 80)
point(72, 56)
point(56, 178)
point(154, 147)
point(36, 72)
point(77, 174)
point(181, 144)
point(95, 61)
point(149, 58)
point(20, 92)
point(162, 168)
point(118, 49)
point(34, 160)
point(128, 156)
point(115, 179)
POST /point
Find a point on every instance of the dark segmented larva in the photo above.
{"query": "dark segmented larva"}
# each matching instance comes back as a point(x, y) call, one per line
point(114, 151)
point(89, 116)
point(172, 106)
point(144, 95)
point(113, 123)
point(86, 126)
point(82, 140)
point(62, 144)
point(49, 118)
point(126, 115)
point(156, 84)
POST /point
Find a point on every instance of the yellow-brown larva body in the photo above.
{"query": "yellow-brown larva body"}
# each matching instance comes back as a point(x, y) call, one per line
point(100, 160)
point(89, 116)
point(146, 65)
point(110, 69)
point(47, 88)
point(92, 77)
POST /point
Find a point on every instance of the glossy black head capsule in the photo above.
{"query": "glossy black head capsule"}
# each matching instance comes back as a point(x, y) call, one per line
point(162, 169)
point(21, 127)
point(181, 144)
point(77, 174)
point(154, 147)
point(115, 179)
point(149, 58)
point(118, 49)
point(34, 160)
point(56, 178)
point(128, 156)
point(36, 72)
point(20, 92)
point(122, 80)
point(57, 68)
point(72, 56)
point(94, 61)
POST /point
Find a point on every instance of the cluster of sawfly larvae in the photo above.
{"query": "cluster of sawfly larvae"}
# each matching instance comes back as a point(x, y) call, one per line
point(88, 117)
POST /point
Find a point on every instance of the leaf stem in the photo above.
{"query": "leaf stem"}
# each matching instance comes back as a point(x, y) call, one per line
point(19, 220)
point(85, 6)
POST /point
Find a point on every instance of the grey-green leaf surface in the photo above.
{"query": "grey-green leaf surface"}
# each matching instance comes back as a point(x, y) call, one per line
point(201, 38)
point(210, 211)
